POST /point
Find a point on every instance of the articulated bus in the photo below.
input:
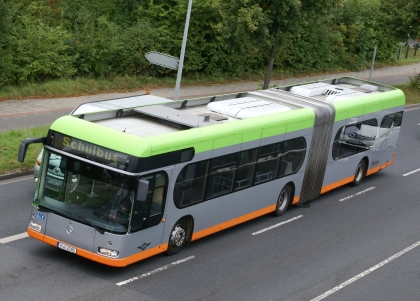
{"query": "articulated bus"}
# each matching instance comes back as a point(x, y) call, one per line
point(145, 175)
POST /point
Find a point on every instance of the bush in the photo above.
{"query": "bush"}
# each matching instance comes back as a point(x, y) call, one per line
point(414, 81)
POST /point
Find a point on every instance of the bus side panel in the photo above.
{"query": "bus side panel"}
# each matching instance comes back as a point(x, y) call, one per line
point(340, 172)
point(389, 143)
point(236, 207)
point(377, 152)
point(333, 171)
point(220, 211)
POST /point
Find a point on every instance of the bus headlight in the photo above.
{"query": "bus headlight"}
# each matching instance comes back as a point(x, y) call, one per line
point(108, 252)
point(35, 226)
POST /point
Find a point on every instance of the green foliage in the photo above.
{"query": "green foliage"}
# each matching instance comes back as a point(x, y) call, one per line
point(168, 19)
point(43, 40)
point(361, 29)
point(36, 50)
point(135, 42)
point(5, 49)
point(402, 18)
point(414, 81)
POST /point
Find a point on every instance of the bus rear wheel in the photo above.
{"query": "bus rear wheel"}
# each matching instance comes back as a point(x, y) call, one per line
point(283, 201)
point(360, 173)
point(177, 237)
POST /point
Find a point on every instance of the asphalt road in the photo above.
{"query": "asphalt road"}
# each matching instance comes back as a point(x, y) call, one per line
point(353, 243)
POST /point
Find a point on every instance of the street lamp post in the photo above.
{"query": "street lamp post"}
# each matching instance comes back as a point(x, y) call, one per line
point(181, 59)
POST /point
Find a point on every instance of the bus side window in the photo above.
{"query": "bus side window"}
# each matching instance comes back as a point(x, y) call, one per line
point(245, 169)
point(388, 122)
point(221, 176)
point(267, 162)
point(293, 155)
point(398, 118)
point(158, 194)
point(190, 184)
point(368, 131)
point(350, 140)
point(354, 138)
point(386, 125)
point(337, 143)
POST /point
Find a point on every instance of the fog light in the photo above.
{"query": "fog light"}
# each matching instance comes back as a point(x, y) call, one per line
point(35, 226)
point(108, 252)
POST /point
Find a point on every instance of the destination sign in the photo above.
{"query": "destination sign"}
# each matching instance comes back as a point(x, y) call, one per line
point(89, 150)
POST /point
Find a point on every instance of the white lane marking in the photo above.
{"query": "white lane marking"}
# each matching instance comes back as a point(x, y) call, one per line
point(356, 194)
point(411, 172)
point(14, 237)
point(155, 271)
point(277, 225)
point(368, 271)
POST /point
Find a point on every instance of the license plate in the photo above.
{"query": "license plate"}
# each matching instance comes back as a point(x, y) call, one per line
point(66, 247)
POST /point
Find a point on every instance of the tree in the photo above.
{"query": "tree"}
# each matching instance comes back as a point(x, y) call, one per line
point(269, 21)
point(359, 24)
point(35, 45)
point(5, 49)
point(168, 19)
point(402, 18)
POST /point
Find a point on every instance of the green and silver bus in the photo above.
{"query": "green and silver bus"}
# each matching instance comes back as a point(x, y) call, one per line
point(144, 175)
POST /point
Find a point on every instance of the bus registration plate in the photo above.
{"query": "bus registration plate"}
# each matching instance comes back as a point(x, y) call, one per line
point(66, 247)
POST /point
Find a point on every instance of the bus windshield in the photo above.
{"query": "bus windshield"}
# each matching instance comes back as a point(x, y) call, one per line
point(90, 194)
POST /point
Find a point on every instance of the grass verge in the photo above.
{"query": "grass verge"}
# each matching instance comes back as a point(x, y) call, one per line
point(9, 145)
point(412, 95)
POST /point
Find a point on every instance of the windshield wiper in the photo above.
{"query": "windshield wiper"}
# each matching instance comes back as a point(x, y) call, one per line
point(85, 220)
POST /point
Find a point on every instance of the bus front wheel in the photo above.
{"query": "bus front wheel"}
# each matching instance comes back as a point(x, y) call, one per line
point(360, 173)
point(178, 237)
point(283, 200)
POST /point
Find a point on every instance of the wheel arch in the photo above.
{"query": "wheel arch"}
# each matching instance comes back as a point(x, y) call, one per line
point(366, 158)
point(293, 189)
point(190, 225)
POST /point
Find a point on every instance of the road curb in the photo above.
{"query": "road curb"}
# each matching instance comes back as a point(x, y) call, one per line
point(16, 175)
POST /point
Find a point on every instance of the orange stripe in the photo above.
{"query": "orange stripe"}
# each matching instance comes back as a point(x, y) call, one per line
point(336, 184)
point(351, 179)
point(102, 259)
point(233, 222)
point(139, 256)
point(35, 234)
point(378, 168)
point(295, 200)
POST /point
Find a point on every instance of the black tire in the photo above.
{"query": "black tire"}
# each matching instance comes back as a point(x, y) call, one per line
point(178, 237)
point(360, 173)
point(283, 201)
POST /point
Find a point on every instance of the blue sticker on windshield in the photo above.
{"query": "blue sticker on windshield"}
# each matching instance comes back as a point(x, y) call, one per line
point(40, 215)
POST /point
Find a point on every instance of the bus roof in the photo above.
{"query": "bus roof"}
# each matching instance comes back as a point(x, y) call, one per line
point(147, 125)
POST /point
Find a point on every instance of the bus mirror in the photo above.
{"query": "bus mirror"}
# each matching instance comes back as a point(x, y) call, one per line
point(142, 188)
point(24, 146)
